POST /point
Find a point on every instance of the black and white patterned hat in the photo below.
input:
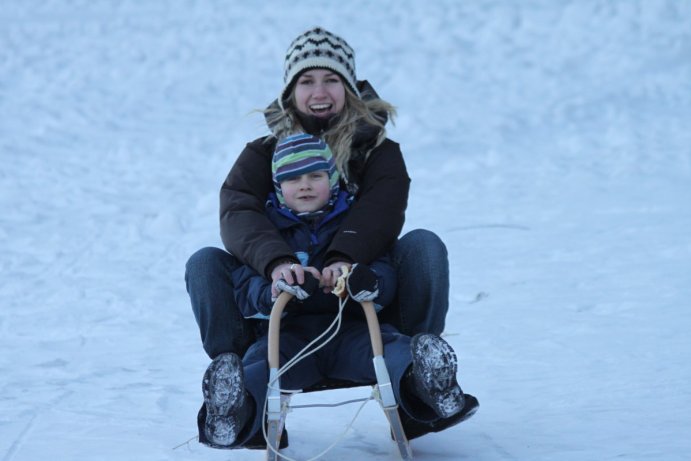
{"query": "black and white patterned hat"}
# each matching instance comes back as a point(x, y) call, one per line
point(318, 48)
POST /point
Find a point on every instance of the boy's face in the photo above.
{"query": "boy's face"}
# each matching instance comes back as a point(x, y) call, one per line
point(307, 192)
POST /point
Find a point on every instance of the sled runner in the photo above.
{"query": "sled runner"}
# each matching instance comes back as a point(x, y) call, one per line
point(278, 403)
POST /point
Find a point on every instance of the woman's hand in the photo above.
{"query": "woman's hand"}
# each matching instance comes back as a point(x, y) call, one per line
point(331, 273)
point(292, 273)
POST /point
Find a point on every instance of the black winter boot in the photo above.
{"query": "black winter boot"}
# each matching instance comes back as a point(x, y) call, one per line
point(414, 428)
point(434, 375)
point(228, 407)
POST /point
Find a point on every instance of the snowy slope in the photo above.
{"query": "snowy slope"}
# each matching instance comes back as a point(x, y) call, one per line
point(549, 146)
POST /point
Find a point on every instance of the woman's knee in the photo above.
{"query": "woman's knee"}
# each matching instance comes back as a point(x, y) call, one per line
point(202, 260)
point(421, 244)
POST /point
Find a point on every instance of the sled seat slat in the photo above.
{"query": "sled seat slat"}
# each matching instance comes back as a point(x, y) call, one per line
point(330, 384)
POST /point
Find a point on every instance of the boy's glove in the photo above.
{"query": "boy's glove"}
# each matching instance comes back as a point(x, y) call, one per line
point(303, 291)
point(362, 283)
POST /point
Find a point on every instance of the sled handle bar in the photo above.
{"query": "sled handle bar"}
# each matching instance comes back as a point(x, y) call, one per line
point(275, 327)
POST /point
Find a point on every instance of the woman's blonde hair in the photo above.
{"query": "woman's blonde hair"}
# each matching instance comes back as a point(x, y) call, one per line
point(370, 111)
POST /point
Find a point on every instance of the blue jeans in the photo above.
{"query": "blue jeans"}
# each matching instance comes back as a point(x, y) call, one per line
point(422, 293)
point(421, 303)
point(221, 325)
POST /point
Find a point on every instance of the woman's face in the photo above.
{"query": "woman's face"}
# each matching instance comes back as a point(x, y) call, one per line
point(320, 92)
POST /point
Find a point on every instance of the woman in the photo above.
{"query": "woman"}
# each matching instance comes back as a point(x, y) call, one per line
point(321, 96)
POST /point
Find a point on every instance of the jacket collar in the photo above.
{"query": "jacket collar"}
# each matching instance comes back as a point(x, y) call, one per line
point(286, 218)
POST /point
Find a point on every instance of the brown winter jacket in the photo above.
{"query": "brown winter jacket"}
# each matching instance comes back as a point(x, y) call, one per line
point(371, 227)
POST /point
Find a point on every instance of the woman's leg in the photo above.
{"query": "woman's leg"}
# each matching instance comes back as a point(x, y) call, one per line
point(221, 325)
point(422, 299)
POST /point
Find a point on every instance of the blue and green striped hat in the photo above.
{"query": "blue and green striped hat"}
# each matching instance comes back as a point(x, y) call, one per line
point(302, 153)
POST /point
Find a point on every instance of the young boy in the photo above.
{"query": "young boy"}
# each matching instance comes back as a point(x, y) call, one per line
point(307, 208)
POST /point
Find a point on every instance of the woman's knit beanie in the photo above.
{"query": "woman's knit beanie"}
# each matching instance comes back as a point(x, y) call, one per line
point(314, 49)
point(299, 154)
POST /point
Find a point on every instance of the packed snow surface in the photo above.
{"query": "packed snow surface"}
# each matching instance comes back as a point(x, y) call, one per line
point(549, 144)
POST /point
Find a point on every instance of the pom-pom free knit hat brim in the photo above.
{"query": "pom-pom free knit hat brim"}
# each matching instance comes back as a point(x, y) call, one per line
point(318, 49)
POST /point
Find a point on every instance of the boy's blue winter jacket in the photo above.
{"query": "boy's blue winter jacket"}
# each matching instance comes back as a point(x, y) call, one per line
point(309, 242)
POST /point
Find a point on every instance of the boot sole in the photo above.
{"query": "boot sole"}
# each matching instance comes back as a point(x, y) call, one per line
point(223, 389)
point(435, 366)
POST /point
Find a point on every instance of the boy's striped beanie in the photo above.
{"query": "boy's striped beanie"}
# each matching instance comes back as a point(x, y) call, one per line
point(302, 153)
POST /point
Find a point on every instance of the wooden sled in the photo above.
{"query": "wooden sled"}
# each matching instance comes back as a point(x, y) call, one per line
point(278, 403)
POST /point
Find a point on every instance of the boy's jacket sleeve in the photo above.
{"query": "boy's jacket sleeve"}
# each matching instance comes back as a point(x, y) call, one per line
point(386, 275)
point(252, 293)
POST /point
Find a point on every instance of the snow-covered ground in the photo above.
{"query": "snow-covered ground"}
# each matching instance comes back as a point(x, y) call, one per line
point(549, 145)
